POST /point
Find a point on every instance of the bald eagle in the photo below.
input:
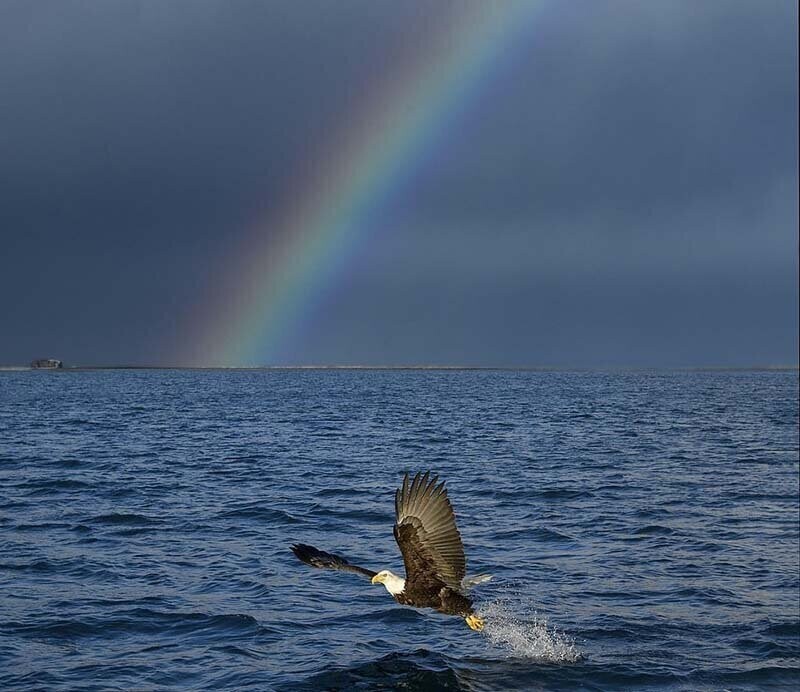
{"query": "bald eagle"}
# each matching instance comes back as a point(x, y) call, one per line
point(425, 529)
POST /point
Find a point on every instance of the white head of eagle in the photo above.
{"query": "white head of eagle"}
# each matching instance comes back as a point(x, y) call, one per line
point(394, 584)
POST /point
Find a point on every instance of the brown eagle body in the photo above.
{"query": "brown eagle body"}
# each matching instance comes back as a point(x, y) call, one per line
point(433, 554)
point(445, 600)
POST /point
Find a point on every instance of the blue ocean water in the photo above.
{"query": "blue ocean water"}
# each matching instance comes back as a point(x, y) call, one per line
point(642, 528)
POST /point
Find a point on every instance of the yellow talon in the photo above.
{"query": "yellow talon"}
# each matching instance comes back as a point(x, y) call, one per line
point(475, 622)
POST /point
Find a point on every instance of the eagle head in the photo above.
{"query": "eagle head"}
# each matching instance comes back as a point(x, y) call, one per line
point(394, 584)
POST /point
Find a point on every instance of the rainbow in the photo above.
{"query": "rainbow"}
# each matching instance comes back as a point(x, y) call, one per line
point(284, 266)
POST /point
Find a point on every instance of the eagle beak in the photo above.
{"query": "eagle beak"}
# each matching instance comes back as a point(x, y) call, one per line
point(377, 579)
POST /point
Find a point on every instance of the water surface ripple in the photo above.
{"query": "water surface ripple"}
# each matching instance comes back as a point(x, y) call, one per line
point(642, 527)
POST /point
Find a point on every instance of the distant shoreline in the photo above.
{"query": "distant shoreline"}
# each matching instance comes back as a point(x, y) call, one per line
point(488, 368)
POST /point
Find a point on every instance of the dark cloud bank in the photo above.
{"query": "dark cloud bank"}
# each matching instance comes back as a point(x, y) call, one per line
point(622, 191)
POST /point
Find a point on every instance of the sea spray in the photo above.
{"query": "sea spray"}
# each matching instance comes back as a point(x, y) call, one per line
point(526, 635)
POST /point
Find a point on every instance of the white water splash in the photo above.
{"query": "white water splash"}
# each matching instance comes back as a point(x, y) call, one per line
point(529, 638)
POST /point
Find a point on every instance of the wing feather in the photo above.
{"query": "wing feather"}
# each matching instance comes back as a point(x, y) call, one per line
point(426, 531)
point(319, 558)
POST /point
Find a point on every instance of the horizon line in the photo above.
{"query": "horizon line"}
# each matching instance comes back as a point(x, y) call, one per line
point(420, 366)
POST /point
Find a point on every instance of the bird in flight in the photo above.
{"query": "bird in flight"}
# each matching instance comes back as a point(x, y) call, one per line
point(425, 530)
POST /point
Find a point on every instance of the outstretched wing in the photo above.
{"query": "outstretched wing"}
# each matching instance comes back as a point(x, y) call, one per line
point(319, 558)
point(425, 529)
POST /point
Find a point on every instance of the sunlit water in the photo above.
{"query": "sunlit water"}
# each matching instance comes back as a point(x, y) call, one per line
point(642, 529)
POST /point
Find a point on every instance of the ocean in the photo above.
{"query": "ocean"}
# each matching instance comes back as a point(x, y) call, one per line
point(641, 527)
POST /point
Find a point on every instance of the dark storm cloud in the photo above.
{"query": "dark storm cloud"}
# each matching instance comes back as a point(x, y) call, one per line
point(169, 100)
point(620, 191)
point(641, 105)
point(625, 194)
point(138, 139)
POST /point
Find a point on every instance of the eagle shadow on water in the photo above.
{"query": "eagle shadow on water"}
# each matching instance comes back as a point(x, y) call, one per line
point(426, 532)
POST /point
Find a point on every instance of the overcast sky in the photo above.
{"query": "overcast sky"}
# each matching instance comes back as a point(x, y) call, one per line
point(622, 189)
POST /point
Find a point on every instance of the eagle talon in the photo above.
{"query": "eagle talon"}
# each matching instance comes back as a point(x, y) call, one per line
point(474, 622)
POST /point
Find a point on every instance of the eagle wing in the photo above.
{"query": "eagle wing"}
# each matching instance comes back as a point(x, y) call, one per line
point(319, 558)
point(425, 529)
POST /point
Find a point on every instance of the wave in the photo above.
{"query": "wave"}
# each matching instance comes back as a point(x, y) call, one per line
point(424, 669)
point(45, 484)
point(546, 494)
point(365, 515)
point(259, 511)
point(116, 518)
point(564, 494)
point(75, 567)
point(44, 526)
point(135, 621)
point(420, 670)
point(540, 534)
point(345, 492)
point(783, 629)
point(39, 565)
point(86, 422)
point(653, 530)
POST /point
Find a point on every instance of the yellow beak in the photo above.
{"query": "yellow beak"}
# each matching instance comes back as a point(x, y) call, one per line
point(377, 579)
